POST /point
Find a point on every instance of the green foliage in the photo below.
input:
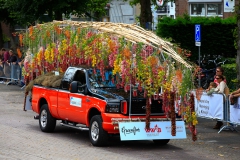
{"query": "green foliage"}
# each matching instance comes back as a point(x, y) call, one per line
point(5, 38)
point(4, 12)
point(186, 82)
point(216, 34)
point(230, 72)
point(27, 12)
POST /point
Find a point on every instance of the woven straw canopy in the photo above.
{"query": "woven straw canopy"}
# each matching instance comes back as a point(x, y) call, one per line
point(131, 32)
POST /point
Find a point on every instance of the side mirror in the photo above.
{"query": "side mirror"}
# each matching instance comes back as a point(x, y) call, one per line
point(73, 88)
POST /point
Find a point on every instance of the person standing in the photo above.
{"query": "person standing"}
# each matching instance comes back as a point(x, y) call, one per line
point(1, 55)
point(6, 66)
point(13, 65)
point(1, 66)
point(12, 57)
point(221, 88)
point(234, 96)
point(219, 71)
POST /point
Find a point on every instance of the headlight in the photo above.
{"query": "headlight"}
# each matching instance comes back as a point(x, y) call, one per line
point(113, 108)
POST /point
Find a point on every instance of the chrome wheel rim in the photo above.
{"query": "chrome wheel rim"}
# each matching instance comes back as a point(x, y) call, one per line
point(43, 118)
point(95, 131)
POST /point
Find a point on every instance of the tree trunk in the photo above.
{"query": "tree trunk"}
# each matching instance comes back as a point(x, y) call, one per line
point(12, 41)
point(146, 13)
point(238, 44)
point(1, 36)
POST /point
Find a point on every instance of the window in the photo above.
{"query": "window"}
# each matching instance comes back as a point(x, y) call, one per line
point(197, 9)
point(214, 9)
point(206, 9)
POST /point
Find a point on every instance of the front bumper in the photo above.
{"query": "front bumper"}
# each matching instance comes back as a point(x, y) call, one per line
point(110, 121)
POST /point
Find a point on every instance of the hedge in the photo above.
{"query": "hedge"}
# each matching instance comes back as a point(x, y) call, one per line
point(216, 34)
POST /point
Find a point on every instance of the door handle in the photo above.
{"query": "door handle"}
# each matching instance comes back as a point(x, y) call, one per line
point(87, 100)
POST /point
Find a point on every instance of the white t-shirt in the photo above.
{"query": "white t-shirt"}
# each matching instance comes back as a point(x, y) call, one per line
point(221, 87)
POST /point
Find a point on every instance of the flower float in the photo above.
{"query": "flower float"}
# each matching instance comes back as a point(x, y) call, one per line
point(138, 58)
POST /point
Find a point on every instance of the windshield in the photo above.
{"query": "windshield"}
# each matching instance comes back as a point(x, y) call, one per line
point(96, 81)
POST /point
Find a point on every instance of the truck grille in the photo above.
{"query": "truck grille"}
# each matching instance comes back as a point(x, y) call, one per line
point(138, 107)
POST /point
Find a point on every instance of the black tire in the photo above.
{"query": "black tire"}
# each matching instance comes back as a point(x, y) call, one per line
point(97, 135)
point(161, 141)
point(46, 122)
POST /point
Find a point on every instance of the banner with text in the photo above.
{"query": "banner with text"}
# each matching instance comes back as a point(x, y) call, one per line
point(235, 112)
point(157, 130)
point(209, 106)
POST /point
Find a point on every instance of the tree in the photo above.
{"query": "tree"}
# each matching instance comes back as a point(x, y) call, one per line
point(5, 18)
point(237, 40)
point(26, 13)
point(146, 12)
point(237, 8)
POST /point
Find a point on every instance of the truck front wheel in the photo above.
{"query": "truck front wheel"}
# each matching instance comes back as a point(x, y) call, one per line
point(98, 136)
point(46, 122)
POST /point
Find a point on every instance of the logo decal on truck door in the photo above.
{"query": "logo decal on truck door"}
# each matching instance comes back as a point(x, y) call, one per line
point(75, 101)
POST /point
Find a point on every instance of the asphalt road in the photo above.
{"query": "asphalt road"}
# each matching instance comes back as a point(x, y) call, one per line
point(22, 139)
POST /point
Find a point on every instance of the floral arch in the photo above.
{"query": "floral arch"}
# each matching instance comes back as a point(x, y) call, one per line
point(136, 55)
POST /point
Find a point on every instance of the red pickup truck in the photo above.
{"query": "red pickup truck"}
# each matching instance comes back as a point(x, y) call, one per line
point(85, 102)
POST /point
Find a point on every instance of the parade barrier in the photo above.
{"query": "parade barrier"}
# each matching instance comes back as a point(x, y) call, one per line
point(217, 106)
point(235, 112)
point(12, 76)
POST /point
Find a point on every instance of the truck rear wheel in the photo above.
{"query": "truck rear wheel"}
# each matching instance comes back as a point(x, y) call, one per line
point(161, 141)
point(46, 122)
point(98, 136)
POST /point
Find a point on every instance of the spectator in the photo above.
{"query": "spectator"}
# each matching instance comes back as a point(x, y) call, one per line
point(6, 66)
point(212, 88)
point(234, 96)
point(1, 66)
point(14, 66)
point(221, 88)
point(12, 58)
point(219, 71)
point(1, 55)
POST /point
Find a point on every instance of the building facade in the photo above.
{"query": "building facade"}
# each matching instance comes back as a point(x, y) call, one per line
point(206, 8)
point(162, 10)
point(122, 12)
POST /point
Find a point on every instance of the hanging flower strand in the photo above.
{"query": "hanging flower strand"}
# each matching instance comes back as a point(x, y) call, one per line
point(144, 67)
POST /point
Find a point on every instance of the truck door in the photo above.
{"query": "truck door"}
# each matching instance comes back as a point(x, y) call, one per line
point(63, 94)
point(72, 106)
point(63, 104)
point(77, 108)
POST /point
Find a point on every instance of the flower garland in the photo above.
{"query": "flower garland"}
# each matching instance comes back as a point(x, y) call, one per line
point(133, 64)
point(173, 114)
point(191, 118)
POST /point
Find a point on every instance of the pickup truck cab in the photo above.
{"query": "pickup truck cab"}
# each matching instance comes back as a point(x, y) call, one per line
point(84, 103)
